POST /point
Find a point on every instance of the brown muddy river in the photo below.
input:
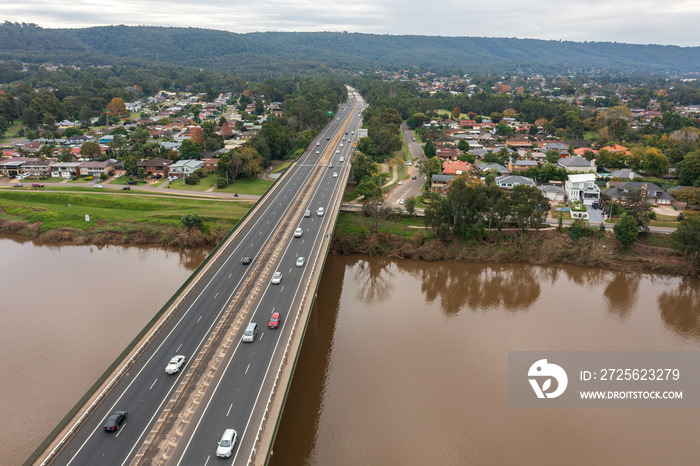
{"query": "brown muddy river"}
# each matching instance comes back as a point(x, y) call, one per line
point(405, 363)
point(67, 312)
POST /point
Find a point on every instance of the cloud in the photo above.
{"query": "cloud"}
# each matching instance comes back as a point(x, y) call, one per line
point(634, 21)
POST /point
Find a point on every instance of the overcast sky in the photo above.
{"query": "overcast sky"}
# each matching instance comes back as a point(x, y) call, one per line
point(633, 21)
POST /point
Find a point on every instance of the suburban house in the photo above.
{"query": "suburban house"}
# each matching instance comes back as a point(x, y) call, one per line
point(95, 168)
point(11, 167)
point(577, 164)
point(484, 167)
point(440, 183)
point(624, 173)
point(155, 167)
point(511, 181)
point(619, 190)
point(520, 166)
point(582, 187)
point(65, 169)
point(455, 168)
point(552, 192)
point(183, 168)
point(37, 167)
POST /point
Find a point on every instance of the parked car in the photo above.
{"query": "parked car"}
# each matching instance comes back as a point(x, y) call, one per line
point(277, 278)
point(132, 182)
point(246, 260)
point(126, 188)
point(274, 320)
point(37, 185)
point(226, 444)
point(99, 186)
point(115, 421)
point(298, 232)
point(18, 185)
point(300, 261)
point(175, 364)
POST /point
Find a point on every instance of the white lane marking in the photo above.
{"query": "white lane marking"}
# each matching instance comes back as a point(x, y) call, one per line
point(229, 275)
point(229, 410)
point(178, 348)
point(262, 335)
point(207, 461)
point(282, 289)
point(154, 382)
point(200, 318)
point(120, 430)
point(217, 294)
point(246, 369)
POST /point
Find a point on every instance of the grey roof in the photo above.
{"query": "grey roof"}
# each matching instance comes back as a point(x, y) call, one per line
point(624, 173)
point(526, 163)
point(441, 177)
point(574, 162)
point(515, 179)
point(550, 188)
point(493, 166)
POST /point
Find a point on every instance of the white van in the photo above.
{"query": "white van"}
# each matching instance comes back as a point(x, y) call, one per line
point(226, 444)
point(250, 332)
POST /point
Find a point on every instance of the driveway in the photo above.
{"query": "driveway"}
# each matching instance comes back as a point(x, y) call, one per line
point(594, 215)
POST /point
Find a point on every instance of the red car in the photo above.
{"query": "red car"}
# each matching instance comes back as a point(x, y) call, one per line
point(274, 320)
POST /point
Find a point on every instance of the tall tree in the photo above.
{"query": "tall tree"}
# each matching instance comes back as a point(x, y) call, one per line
point(429, 149)
point(90, 150)
point(626, 231)
point(117, 107)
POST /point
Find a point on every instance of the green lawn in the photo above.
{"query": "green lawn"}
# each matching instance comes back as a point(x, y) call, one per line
point(12, 131)
point(114, 212)
point(352, 223)
point(281, 167)
point(448, 113)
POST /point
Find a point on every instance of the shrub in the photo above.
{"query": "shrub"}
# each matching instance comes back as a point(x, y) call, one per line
point(579, 229)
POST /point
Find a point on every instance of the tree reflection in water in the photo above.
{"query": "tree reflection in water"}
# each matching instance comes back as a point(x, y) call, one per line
point(374, 278)
point(680, 308)
point(621, 294)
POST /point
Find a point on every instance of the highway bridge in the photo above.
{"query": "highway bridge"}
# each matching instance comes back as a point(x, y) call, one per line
point(178, 419)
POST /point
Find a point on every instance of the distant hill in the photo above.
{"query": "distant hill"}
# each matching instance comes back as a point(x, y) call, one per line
point(285, 52)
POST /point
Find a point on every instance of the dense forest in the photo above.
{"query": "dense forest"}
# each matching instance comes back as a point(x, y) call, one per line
point(273, 54)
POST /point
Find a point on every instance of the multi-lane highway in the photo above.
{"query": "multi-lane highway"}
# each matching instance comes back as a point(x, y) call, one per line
point(178, 419)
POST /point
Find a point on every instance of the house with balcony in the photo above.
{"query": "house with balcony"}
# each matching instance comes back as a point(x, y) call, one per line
point(65, 169)
point(183, 168)
point(582, 188)
point(155, 167)
point(440, 183)
point(37, 167)
point(96, 168)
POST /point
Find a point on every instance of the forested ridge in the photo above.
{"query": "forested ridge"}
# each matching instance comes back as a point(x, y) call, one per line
point(289, 52)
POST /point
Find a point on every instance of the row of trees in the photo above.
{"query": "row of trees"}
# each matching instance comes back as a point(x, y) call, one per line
point(470, 208)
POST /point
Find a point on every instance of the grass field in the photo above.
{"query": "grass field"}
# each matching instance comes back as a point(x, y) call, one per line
point(351, 223)
point(110, 212)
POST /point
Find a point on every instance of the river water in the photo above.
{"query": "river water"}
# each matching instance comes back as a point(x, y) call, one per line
point(67, 312)
point(405, 363)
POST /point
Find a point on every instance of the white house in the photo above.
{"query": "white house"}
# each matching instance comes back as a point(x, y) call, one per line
point(65, 169)
point(582, 188)
point(183, 168)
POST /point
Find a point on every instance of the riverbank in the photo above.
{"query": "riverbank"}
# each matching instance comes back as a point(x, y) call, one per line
point(109, 218)
point(537, 247)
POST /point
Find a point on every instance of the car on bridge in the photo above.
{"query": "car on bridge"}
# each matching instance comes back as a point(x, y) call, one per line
point(274, 320)
point(226, 444)
point(335, 174)
point(319, 212)
point(175, 364)
point(246, 260)
point(300, 262)
point(298, 232)
point(277, 278)
point(115, 421)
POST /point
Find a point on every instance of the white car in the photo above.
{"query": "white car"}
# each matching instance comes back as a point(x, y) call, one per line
point(335, 174)
point(226, 444)
point(175, 364)
point(117, 176)
point(400, 183)
point(319, 212)
point(342, 145)
point(318, 143)
point(97, 186)
point(300, 261)
point(318, 151)
point(337, 151)
point(277, 278)
point(299, 231)
point(402, 201)
point(342, 159)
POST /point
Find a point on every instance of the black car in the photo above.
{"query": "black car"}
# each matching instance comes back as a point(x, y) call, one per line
point(246, 260)
point(126, 188)
point(132, 182)
point(115, 421)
